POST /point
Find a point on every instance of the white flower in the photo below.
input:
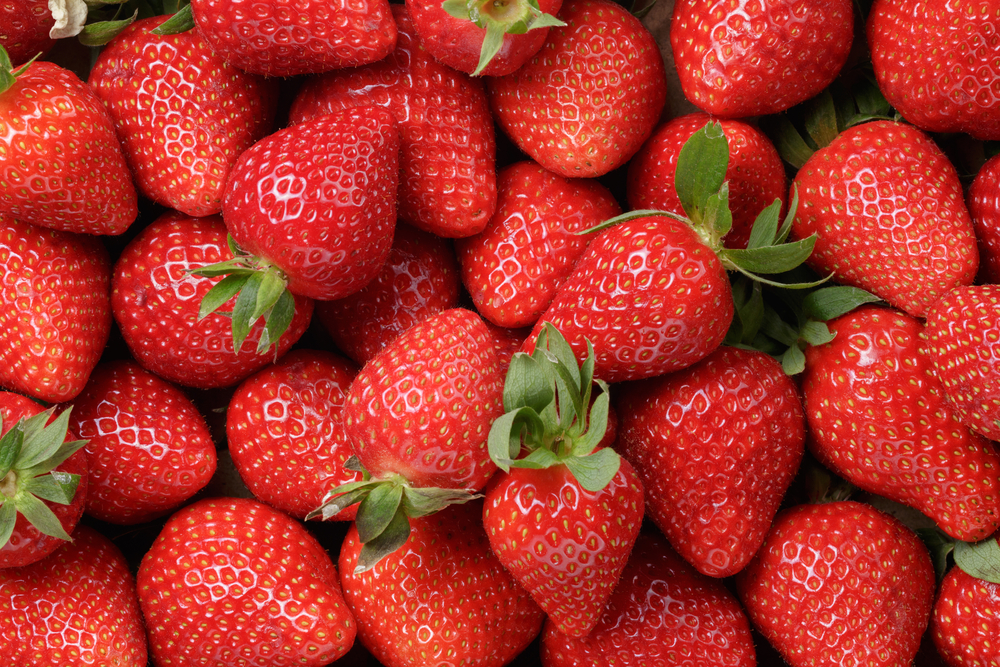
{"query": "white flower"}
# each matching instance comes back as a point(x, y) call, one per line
point(69, 15)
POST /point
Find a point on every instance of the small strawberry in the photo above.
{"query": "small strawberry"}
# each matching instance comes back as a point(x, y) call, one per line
point(233, 583)
point(286, 434)
point(75, 607)
point(736, 60)
point(965, 625)
point(840, 583)
point(442, 599)
point(513, 268)
point(183, 115)
point(983, 200)
point(585, 103)
point(148, 450)
point(55, 309)
point(24, 28)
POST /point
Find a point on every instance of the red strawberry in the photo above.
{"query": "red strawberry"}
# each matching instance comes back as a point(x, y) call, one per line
point(736, 60)
point(24, 28)
point(183, 115)
point(716, 446)
point(983, 200)
point(418, 280)
point(878, 417)
point(447, 164)
point(277, 38)
point(936, 63)
point(149, 448)
point(55, 309)
point(590, 97)
point(70, 173)
point(155, 300)
point(513, 268)
point(755, 174)
point(43, 485)
point(233, 583)
point(661, 614)
point(888, 211)
point(441, 599)
point(76, 607)
point(840, 583)
point(506, 342)
point(285, 428)
point(965, 625)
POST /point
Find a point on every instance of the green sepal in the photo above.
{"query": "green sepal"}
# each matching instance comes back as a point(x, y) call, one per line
point(66, 450)
point(790, 144)
point(506, 435)
point(395, 535)
point(492, 42)
point(8, 519)
point(57, 487)
point(458, 9)
point(765, 228)
point(793, 360)
point(832, 302)
point(10, 448)
point(718, 218)
point(632, 215)
point(821, 119)
point(598, 420)
point(769, 259)
point(594, 472)
point(40, 444)
point(526, 385)
point(701, 169)
point(180, 22)
point(223, 291)
point(640, 12)
point(341, 497)
point(418, 502)
point(39, 515)
point(940, 546)
point(815, 333)
point(980, 559)
point(537, 460)
point(550, 340)
point(748, 299)
point(377, 510)
point(277, 321)
point(786, 226)
point(102, 32)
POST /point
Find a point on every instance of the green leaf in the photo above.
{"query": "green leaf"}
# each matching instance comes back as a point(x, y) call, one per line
point(793, 361)
point(246, 302)
point(272, 286)
point(39, 515)
point(342, 496)
point(66, 450)
point(870, 100)
point(980, 560)
point(701, 169)
point(765, 228)
point(492, 42)
point(596, 471)
point(632, 215)
point(504, 440)
point(777, 328)
point(751, 313)
point(377, 510)
point(562, 352)
point(597, 427)
point(277, 321)
point(222, 292)
point(546, 21)
point(816, 333)
point(527, 385)
point(102, 32)
point(786, 226)
point(58, 487)
point(10, 448)
point(821, 119)
point(830, 303)
point(770, 259)
point(8, 518)
point(418, 502)
point(389, 540)
point(789, 142)
point(41, 445)
point(238, 266)
point(538, 459)
point(180, 22)
point(718, 218)
point(458, 9)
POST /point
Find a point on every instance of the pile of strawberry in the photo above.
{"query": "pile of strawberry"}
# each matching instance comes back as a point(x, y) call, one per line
point(518, 365)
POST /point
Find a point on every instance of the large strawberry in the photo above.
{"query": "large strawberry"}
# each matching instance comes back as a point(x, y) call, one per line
point(76, 607)
point(443, 599)
point(447, 163)
point(183, 115)
point(965, 625)
point(55, 309)
point(589, 98)
point(736, 60)
point(233, 583)
point(68, 173)
point(936, 63)
point(840, 584)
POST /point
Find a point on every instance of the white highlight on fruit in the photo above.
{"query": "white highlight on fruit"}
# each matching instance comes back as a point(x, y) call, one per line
point(70, 17)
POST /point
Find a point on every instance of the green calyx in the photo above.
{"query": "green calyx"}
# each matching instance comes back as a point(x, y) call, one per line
point(261, 292)
point(8, 75)
point(385, 507)
point(499, 18)
point(549, 413)
point(977, 559)
point(29, 452)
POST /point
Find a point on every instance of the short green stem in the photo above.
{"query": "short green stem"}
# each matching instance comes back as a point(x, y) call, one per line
point(8, 485)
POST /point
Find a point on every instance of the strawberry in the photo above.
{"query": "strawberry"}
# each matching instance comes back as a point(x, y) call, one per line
point(888, 211)
point(506, 342)
point(983, 200)
point(233, 583)
point(76, 607)
point(442, 599)
point(205, 112)
point(878, 417)
point(936, 62)
point(586, 101)
point(277, 38)
point(43, 487)
point(419, 279)
point(447, 160)
point(965, 625)
point(148, 449)
point(513, 268)
point(839, 583)
point(755, 173)
point(662, 613)
point(285, 429)
point(55, 309)
point(737, 60)
point(24, 28)
point(716, 446)
point(70, 173)
point(155, 300)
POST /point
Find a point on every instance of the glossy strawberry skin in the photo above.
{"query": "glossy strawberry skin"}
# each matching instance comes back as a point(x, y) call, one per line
point(964, 625)
point(55, 309)
point(447, 161)
point(590, 97)
point(513, 268)
point(889, 214)
point(442, 598)
point(183, 115)
point(755, 173)
point(716, 446)
point(24, 29)
point(566, 546)
point(148, 450)
point(662, 614)
point(285, 429)
point(983, 200)
point(418, 280)
point(76, 607)
point(155, 301)
point(859, 580)
point(74, 177)
point(232, 583)
point(936, 63)
point(736, 60)
point(878, 417)
point(423, 407)
point(27, 545)
point(650, 296)
point(276, 39)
